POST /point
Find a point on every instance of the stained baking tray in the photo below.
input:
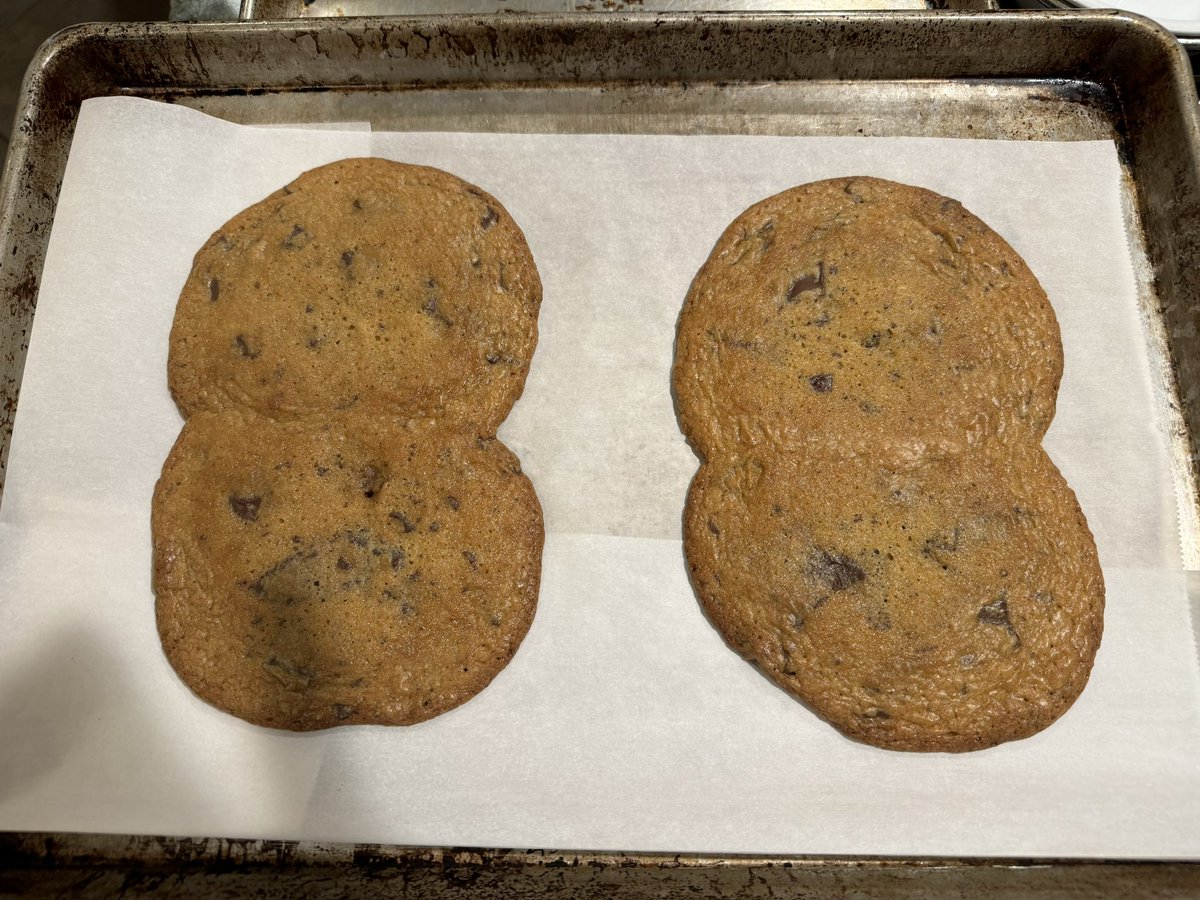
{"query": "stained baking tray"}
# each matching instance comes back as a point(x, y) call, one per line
point(1050, 75)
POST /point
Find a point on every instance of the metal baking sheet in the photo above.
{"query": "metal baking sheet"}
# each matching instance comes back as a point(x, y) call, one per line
point(1025, 76)
point(294, 9)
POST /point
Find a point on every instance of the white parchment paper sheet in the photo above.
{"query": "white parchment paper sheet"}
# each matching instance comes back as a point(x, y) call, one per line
point(624, 721)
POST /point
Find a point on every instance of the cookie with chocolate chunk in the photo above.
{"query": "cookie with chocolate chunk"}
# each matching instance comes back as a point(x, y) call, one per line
point(344, 571)
point(950, 606)
point(868, 316)
point(867, 371)
point(339, 538)
point(362, 284)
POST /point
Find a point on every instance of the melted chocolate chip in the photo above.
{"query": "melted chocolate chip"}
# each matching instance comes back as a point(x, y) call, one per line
point(348, 561)
point(834, 571)
point(341, 711)
point(939, 547)
point(453, 503)
point(290, 674)
point(372, 480)
point(822, 383)
point(297, 240)
point(214, 289)
point(400, 517)
point(712, 526)
point(347, 258)
point(996, 613)
point(806, 283)
point(245, 507)
point(489, 219)
point(432, 308)
point(245, 348)
point(471, 559)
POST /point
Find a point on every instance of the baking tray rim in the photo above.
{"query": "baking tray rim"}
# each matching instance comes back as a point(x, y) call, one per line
point(18, 160)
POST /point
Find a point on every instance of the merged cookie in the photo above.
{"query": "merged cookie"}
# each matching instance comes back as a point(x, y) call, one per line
point(867, 371)
point(339, 537)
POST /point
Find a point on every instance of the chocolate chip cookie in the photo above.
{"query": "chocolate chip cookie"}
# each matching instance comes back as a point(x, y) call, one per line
point(339, 537)
point(948, 606)
point(869, 317)
point(362, 284)
point(346, 571)
point(867, 371)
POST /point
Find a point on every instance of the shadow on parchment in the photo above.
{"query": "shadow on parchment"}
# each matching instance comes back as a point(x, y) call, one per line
point(70, 717)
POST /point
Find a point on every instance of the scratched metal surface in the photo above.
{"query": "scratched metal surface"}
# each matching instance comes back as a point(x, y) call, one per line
point(84, 865)
point(1028, 76)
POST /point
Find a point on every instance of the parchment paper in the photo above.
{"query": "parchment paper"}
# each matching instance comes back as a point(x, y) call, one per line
point(624, 721)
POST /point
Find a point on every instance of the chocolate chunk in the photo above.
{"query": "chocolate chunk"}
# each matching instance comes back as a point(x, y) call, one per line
point(297, 240)
point(822, 384)
point(939, 547)
point(433, 309)
point(290, 675)
point(341, 711)
point(400, 517)
point(245, 348)
point(712, 526)
point(471, 559)
point(214, 289)
point(372, 480)
point(321, 572)
point(834, 571)
point(872, 340)
point(806, 283)
point(996, 613)
point(245, 507)
point(490, 219)
point(453, 503)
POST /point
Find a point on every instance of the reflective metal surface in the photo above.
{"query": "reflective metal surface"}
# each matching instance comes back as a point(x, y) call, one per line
point(1028, 75)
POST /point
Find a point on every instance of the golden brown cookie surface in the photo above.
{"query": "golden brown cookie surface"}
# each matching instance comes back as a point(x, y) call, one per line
point(344, 572)
point(867, 371)
point(859, 313)
point(339, 538)
point(362, 284)
point(945, 607)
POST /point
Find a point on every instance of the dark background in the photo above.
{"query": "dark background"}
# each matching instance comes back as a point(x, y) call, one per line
point(24, 24)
